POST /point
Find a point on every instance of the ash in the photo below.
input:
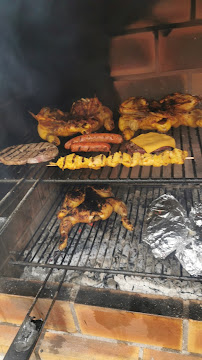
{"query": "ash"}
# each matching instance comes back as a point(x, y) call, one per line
point(145, 285)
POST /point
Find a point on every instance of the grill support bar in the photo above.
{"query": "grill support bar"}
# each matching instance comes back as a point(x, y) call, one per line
point(103, 270)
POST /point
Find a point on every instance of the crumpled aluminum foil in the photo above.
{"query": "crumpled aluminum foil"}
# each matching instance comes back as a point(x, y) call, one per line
point(167, 229)
point(190, 257)
point(190, 254)
point(195, 217)
point(165, 226)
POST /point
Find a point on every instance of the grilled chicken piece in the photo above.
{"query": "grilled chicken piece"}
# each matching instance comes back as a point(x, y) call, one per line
point(172, 111)
point(54, 123)
point(71, 201)
point(89, 108)
point(98, 205)
point(86, 116)
point(179, 102)
point(133, 105)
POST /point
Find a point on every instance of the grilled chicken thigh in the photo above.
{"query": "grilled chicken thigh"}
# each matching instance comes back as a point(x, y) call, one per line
point(98, 204)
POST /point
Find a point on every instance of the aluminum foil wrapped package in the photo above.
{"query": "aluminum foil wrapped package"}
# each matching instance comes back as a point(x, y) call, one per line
point(190, 257)
point(166, 226)
point(195, 217)
point(190, 254)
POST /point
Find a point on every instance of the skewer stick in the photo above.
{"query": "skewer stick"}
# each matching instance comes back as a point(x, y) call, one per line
point(189, 158)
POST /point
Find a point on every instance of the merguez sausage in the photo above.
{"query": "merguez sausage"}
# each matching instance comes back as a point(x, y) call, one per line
point(90, 146)
point(96, 137)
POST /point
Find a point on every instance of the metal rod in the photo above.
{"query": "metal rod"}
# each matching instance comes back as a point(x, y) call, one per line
point(136, 181)
point(19, 205)
point(108, 271)
point(11, 190)
point(14, 354)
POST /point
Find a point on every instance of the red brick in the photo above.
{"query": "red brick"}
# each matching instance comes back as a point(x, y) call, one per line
point(13, 308)
point(181, 49)
point(132, 54)
point(197, 83)
point(60, 318)
point(195, 337)
point(161, 355)
point(66, 347)
point(198, 9)
point(165, 11)
point(129, 326)
point(152, 88)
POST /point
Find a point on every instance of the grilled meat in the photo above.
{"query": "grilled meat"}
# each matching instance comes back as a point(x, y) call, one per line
point(91, 147)
point(98, 137)
point(133, 105)
point(28, 153)
point(73, 161)
point(88, 108)
point(132, 148)
point(86, 116)
point(99, 203)
point(179, 102)
point(172, 111)
point(71, 201)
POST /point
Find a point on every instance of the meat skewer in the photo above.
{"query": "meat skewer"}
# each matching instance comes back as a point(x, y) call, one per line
point(74, 161)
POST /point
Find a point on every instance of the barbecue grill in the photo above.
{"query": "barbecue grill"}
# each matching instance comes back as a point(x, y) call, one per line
point(31, 196)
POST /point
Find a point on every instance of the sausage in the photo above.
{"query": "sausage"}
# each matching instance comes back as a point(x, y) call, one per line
point(90, 146)
point(96, 137)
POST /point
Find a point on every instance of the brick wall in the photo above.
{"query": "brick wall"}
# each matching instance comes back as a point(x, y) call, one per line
point(88, 323)
point(160, 54)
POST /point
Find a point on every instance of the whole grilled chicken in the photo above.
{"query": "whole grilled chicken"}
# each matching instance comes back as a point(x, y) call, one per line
point(86, 116)
point(171, 111)
point(87, 205)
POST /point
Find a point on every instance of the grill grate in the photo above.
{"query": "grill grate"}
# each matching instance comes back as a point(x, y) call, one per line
point(187, 138)
point(107, 246)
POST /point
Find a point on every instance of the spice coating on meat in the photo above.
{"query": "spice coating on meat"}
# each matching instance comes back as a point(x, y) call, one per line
point(171, 111)
point(86, 116)
point(99, 203)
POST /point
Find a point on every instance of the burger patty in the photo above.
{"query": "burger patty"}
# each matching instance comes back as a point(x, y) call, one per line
point(28, 153)
point(132, 148)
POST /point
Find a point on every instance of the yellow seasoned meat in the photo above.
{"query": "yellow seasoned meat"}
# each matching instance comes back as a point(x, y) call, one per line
point(132, 105)
point(172, 111)
point(86, 116)
point(73, 161)
point(179, 102)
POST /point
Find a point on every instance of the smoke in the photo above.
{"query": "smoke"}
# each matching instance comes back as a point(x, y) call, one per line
point(54, 52)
